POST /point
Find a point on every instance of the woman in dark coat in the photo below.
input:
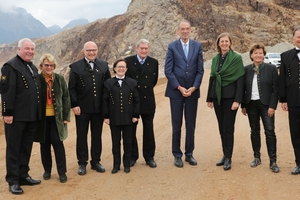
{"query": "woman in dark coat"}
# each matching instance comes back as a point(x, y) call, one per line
point(52, 129)
point(225, 93)
point(260, 101)
point(121, 110)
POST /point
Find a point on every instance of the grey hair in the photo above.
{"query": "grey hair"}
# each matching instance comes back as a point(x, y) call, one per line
point(183, 21)
point(20, 43)
point(295, 30)
point(142, 41)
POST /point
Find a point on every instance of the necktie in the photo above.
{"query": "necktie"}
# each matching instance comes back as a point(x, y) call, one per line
point(120, 81)
point(297, 51)
point(142, 62)
point(30, 69)
point(185, 50)
point(91, 64)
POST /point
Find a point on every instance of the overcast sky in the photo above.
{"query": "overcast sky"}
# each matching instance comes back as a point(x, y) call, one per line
point(61, 12)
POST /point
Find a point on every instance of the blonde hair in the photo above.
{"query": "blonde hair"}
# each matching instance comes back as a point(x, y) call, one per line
point(49, 57)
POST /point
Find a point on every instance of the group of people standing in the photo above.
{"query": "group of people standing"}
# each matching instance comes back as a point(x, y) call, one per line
point(257, 88)
point(36, 106)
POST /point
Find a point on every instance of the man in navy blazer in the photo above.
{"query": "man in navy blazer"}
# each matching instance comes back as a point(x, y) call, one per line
point(184, 71)
point(289, 93)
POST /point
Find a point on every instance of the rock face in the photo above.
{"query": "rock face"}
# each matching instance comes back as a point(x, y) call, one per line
point(248, 21)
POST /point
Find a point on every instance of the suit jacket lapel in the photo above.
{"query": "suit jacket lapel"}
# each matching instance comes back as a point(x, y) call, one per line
point(180, 49)
point(191, 49)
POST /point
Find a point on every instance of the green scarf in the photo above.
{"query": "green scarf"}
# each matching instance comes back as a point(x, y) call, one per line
point(231, 70)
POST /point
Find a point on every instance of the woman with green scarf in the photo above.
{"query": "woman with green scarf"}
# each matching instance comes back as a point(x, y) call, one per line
point(225, 93)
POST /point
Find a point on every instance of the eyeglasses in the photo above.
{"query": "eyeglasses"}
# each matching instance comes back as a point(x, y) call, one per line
point(120, 67)
point(48, 65)
point(91, 50)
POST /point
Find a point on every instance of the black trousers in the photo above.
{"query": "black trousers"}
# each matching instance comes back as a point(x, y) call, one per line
point(148, 138)
point(126, 132)
point(255, 111)
point(19, 138)
point(83, 121)
point(226, 121)
point(52, 138)
point(294, 122)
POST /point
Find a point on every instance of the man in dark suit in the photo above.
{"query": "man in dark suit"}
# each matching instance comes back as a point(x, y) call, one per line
point(144, 69)
point(184, 70)
point(289, 93)
point(21, 109)
point(86, 89)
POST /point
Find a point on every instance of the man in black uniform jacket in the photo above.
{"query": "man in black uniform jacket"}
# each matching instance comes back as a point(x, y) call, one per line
point(86, 89)
point(21, 109)
point(144, 70)
point(289, 93)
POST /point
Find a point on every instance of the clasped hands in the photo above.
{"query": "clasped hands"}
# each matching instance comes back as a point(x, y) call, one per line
point(186, 92)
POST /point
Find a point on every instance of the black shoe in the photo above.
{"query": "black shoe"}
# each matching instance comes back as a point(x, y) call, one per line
point(221, 162)
point(98, 167)
point(274, 167)
point(82, 170)
point(296, 170)
point(255, 162)
point(28, 181)
point(47, 175)
point(132, 162)
point(63, 178)
point(191, 160)
point(115, 170)
point(227, 164)
point(178, 162)
point(15, 189)
point(127, 169)
point(151, 163)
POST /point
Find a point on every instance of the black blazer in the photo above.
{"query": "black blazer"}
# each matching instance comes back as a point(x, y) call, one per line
point(289, 78)
point(146, 76)
point(120, 104)
point(233, 90)
point(267, 85)
point(20, 91)
point(86, 87)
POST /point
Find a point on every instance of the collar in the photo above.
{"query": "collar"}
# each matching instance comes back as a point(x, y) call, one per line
point(25, 62)
point(120, 77)
point(89, 60)
point(182, 43)
point(139, 59)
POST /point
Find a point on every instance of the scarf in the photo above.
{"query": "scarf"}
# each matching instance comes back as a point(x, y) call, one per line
point(231, 70)
point(49, 81)
point(258, 68)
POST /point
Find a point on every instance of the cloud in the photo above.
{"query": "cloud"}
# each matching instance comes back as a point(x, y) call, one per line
point(62, 12)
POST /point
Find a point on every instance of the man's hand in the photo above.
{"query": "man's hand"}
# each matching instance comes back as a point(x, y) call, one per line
point(284, 106)
point(76, 110)
point(8, 119)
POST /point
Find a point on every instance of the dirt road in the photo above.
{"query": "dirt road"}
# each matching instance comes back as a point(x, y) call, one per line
point(204, 181)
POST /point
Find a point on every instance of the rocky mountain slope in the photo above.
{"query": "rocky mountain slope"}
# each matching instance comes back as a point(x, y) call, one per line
point(267, 21)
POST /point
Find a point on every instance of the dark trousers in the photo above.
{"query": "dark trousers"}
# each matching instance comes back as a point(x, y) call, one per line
point(148, 138)
point(226, 121)
point(294, 122)
point(188, 107)
point(52, 138)
point(126, 132)
point(19, 138)
point(255, 111)
point(83, 121)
